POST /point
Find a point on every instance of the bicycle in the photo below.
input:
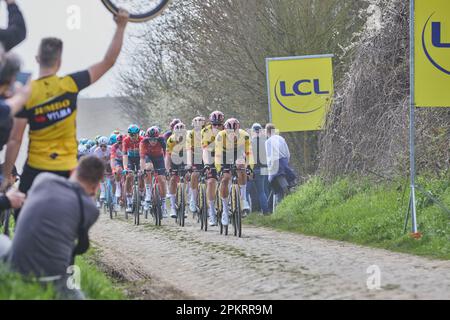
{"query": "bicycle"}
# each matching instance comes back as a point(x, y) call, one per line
point(155, 207)
point(235, 200)
point(108, 205)
point(137, 207)
point(181, 195)
point(202, 206)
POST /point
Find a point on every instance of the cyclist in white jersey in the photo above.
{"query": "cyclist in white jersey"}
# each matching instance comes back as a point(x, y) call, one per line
point(103, 152)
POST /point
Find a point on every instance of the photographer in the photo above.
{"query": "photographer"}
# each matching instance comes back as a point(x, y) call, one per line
point(16, 31)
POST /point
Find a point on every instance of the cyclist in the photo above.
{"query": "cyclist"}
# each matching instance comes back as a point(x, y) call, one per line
point(130, 149)
point(89, 146)
point(152, 151)
point(194, 158)
point(233, 146)
point(169, 132)
point(208, 138)
point(103, 152)
point(117, 167)
point(175, 159)
point(95, 146)
point(82, 150)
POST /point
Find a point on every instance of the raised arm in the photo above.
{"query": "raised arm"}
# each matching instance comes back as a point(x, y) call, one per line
point(16, 31)
point(99, 69)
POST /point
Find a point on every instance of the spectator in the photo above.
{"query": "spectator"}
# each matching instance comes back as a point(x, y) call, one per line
point(10, 105)
point(260, 181)
point(58, 212)
point(51, 111)
point(278, 157)
point(10, 102)
point(16, 31)
point(13, 198)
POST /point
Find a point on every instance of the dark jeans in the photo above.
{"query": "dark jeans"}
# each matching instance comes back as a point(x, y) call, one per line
point(261, 183)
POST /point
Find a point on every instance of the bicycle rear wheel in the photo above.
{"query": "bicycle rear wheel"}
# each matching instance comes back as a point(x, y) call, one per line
point(237, 214)
point(136, 205)
point(204, 208)
point(157, 211)
point(140, 10)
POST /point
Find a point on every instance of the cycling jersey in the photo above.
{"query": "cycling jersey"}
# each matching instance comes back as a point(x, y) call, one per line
point(116, 153)
point(130, 146)
point(175, 148)
point(228, 152)
point(208, 139)
point(146, 149)
point(104, 155)
point(51, 112)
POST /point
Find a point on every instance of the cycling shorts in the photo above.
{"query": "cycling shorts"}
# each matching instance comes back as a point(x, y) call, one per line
point(158, 164)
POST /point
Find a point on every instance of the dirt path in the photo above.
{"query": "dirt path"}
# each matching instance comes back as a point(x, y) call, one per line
point(175, 263)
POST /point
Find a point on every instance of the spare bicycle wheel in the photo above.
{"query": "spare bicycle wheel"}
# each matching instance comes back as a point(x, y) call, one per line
point(140, 10)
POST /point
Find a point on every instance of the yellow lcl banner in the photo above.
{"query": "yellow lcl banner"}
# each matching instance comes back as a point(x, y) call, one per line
point(432, 53)
point(300, 91)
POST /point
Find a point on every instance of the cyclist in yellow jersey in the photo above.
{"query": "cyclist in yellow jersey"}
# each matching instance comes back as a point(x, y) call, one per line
point(208, 138)
point(195, 158)
point(52, 109)
point(233, 147)
point(175, 160)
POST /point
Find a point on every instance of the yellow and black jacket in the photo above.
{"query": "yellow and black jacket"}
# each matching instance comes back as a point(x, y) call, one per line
point(51, 112)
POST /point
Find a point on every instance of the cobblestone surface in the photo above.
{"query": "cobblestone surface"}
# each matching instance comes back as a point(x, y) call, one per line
point(263, 264)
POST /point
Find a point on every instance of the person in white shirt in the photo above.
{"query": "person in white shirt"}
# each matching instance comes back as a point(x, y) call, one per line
point(278, 156)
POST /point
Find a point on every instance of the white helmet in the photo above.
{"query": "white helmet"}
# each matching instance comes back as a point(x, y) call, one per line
point(103, 141)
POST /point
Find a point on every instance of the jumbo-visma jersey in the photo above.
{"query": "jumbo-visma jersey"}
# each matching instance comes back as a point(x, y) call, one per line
point(51, 112)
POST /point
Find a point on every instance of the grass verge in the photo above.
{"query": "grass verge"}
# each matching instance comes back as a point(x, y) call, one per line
point(95, 284)
point(366, 213)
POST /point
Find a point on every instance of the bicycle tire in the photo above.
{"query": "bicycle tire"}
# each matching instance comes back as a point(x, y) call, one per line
point(109, 198)
point(219, 209)
point(137, 18)
point(204, 205)
point(234, 208)
point(238, 215)
point(157, 207)
point(182, 205)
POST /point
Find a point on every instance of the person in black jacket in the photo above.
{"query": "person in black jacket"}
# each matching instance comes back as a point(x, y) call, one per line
point(16, 31)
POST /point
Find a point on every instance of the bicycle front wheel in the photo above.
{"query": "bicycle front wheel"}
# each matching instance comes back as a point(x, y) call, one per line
point(140, 10)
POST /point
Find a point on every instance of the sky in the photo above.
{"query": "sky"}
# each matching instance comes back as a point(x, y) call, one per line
point(86, 36)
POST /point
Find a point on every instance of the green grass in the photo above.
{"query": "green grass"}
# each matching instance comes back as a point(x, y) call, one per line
point(367, 213)
point(95, 284)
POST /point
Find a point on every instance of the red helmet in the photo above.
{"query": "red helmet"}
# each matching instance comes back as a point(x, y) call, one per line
point(174, 122)
point(152, 132)
point(119, 138)
point(232, 124)
point(217, 118)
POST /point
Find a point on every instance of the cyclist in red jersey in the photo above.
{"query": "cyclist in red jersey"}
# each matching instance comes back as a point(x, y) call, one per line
point(130, 149)
point(152, 151)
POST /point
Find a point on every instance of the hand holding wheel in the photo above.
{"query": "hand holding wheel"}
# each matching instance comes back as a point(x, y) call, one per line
point(140, 10)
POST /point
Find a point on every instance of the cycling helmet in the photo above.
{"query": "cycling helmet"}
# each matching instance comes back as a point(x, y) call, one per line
point(256, 127)
point(217, 118)
point(180, 128)
point(133, 129)
point(198, 122)
point(142, 133)
point(116, 132)
point(113, 139)
point(90, 143)
point(82, 149)
point(153, 132)
point(232, 124)
point(96, 138)
point(119, 138)
point(174, 122)
point(83, 141)
point(103, 141)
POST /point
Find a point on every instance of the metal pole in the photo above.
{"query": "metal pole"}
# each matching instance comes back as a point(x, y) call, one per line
point(412, 122)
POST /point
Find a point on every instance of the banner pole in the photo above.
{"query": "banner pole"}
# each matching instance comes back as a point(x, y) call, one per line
point(412, 208)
